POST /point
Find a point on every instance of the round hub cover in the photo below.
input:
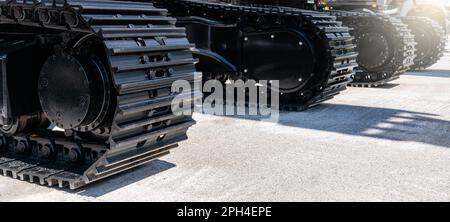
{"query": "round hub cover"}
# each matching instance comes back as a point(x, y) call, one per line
point(284, 56)
point(373, 50)
point(70, 92)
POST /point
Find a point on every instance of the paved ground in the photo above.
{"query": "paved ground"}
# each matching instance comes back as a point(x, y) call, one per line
point(381, 144)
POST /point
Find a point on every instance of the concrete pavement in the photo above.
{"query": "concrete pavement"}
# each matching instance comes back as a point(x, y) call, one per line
point(367, 144)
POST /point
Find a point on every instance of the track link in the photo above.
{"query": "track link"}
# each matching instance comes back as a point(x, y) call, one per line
point(146, 54)
point(402, 44)
point(340, 58)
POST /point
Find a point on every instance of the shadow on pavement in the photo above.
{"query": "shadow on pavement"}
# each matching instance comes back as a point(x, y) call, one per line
point(123, 179)
point(430, 73)
point(383, 123)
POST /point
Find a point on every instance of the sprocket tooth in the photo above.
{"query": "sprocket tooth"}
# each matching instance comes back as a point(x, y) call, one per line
point(397, 60)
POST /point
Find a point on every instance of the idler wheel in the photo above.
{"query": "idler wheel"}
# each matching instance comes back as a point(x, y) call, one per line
point(374, 50)
point(74, 91)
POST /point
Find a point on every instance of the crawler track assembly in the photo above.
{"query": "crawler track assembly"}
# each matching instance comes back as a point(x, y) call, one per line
point(100, 70)
point(331, 65)
point(385, 45)
point(430, 38)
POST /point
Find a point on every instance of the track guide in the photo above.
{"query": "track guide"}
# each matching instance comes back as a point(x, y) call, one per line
point(403, 45)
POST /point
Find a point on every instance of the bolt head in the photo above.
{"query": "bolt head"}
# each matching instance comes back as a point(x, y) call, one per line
point(44, 82)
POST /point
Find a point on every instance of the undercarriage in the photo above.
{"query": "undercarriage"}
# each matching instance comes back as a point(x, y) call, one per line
point(87, 88)
point(91, 88)
point(310, 53)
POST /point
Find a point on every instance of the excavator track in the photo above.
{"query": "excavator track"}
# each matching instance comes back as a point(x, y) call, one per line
point(339, 60)
point(431, 39)
point(146, 53)
point(400, 45)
